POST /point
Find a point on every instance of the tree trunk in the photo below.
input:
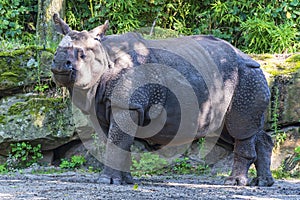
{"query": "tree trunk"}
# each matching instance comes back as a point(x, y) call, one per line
point(46, 35)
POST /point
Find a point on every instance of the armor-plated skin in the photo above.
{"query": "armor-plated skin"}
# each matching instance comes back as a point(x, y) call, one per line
point(180, 89)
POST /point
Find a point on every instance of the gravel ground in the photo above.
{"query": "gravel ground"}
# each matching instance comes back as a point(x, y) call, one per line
point(80, 186)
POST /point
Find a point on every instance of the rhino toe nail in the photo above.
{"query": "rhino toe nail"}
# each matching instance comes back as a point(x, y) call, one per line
point(116, 181)
point(104, 180)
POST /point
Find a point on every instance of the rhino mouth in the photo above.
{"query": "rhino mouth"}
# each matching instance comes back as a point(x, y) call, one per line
point(65, 78)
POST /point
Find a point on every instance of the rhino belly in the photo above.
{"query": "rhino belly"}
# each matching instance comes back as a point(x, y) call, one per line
point(182, 119)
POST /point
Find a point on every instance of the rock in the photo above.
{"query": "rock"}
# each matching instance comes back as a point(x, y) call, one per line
point(283, 72)
point(40, 119)
point(48, 157)
point(284, 154)
point(20, 69)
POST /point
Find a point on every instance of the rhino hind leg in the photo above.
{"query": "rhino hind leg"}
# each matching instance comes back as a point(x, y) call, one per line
point(244, 156)
point(264, 145)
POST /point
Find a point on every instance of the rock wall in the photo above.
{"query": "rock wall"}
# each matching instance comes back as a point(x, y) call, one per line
point(32, 109)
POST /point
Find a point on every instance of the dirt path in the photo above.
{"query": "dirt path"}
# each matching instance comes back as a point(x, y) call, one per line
point(81, 186)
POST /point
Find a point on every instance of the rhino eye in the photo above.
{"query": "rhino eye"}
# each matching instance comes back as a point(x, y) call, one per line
point(81, 54)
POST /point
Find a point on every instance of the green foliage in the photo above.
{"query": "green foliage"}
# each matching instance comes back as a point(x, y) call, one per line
point(280, 136)
point(252, 172)
point(148, 163)
point(135, 186)
point(23, 155)
point(285, 171)
point(41, 87)
point(261, 36)
point(183, 166)
point(280, 173)
point(8, 45)
point(76, 162)
point(297, 154)
point(17, 16)
point(255, 26)
point(3, 169)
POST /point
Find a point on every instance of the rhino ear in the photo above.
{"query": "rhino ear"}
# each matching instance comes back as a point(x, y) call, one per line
point(60, 26)
point(99, 32)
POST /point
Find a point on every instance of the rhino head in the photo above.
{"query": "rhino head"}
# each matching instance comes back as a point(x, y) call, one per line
point(80, 59)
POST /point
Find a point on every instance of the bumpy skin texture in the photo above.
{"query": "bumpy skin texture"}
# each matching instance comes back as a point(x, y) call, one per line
point(102, 79)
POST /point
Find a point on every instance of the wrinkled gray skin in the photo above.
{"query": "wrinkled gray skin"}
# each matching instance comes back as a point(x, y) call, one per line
point(88, 64)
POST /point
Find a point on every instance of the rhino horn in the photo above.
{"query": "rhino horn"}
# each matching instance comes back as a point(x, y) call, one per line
point(99, 31)
point(60, 26)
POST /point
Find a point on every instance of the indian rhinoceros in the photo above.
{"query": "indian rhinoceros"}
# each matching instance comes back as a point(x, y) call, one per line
point(166, 92)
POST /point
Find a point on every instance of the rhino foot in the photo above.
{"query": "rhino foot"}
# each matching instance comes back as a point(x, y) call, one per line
point(125, 178)
point(236, 180)
point(262, 181)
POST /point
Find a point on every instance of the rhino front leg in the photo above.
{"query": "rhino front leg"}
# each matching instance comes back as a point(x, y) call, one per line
point(244, 156)
point(264, 146)
point(117, 159)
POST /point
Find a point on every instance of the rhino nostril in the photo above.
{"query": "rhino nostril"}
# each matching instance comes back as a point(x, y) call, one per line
point(68, 63)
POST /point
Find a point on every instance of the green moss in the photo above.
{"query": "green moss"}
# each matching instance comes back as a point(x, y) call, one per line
point(20, 67)
point(36, 116)
point(34, 106)
point(16, 52)
point(261, 56)
point(8, 74)
point(278, 64)
point(293, 58)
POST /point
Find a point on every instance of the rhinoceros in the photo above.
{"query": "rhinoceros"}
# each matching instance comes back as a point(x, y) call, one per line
point(166, 92)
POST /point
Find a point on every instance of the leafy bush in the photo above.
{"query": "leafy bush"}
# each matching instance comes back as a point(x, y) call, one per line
point(257, 25)
point(23, 155)
point(3, 169)
point(297, 152)
point(184, 166)
point(75, 162)
point(17, 16)
point(148, 163)
point(265, 36)
point(261, 26)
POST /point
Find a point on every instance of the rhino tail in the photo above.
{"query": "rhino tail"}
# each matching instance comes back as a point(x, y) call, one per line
point(246, 60)
point(251, 63)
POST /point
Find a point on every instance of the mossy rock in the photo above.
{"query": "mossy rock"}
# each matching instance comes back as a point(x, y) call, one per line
point(283, 74)
point(278, 64)
point(20, 68)
point(31, 117)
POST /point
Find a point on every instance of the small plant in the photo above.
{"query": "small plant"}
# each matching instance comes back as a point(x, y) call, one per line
point(289, 167)
point(280, 173)
point(201, 143)
point(23, 155)
point(3, 169)
point(280, 136)
point(76, 162)
point(184, 166)
point(148, 163)
point(41, 87)
point(297, 152)
point(252, 172)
